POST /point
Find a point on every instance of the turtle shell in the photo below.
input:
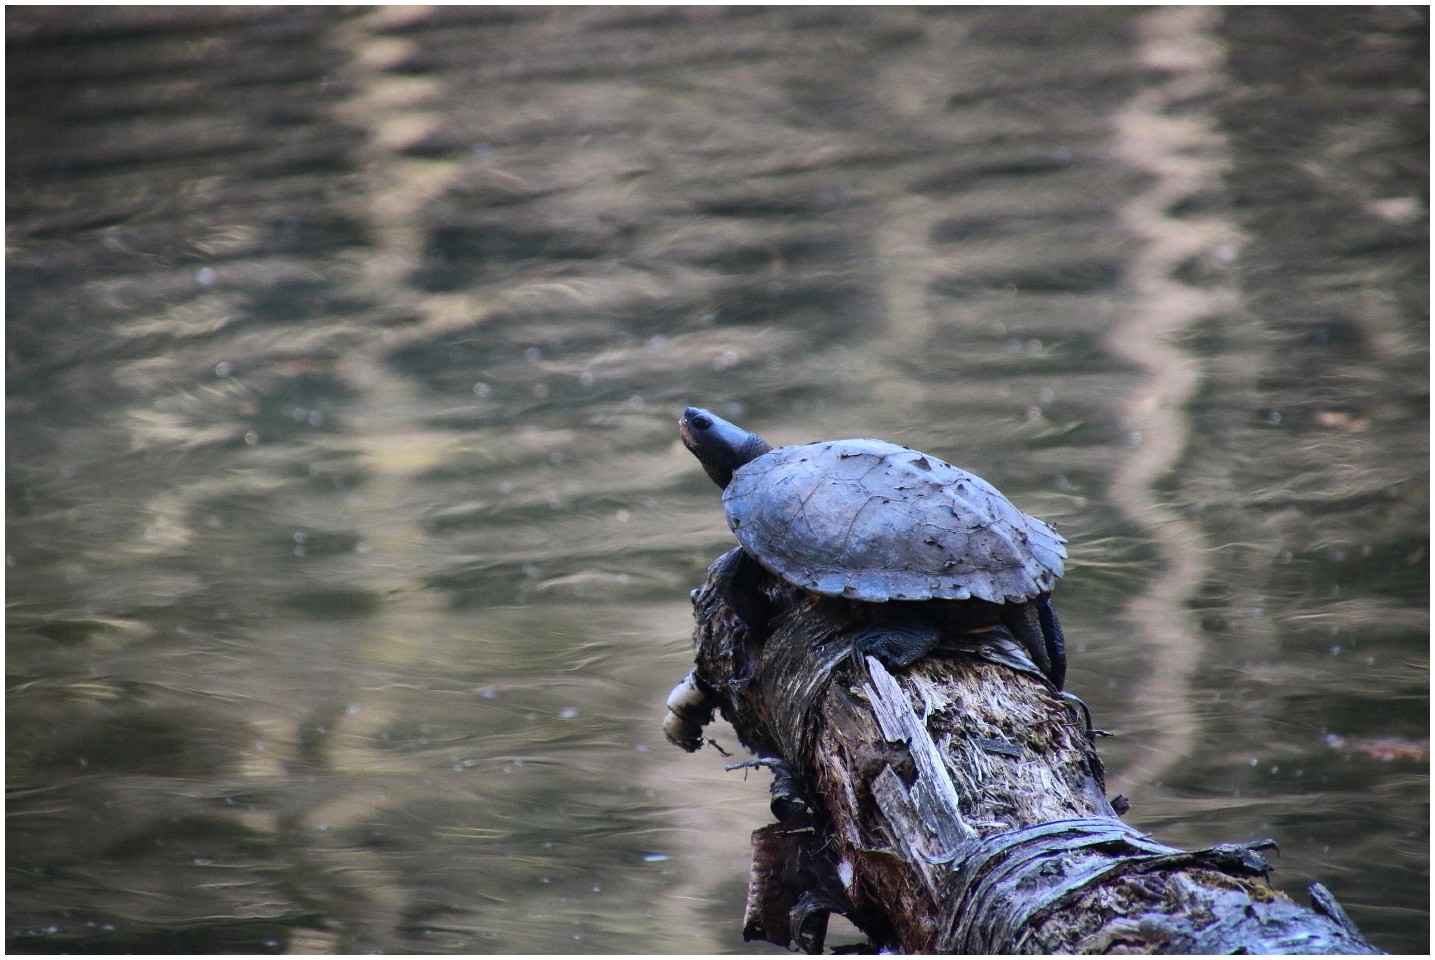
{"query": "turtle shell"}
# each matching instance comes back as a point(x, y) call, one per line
point(875, 521)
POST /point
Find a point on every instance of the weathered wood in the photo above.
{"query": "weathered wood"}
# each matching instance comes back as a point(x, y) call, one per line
point(957, 805)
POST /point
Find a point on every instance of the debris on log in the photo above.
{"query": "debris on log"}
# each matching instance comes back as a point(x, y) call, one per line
point(957, 805)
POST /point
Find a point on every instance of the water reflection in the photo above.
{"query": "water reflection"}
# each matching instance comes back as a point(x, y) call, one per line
point(348, 532)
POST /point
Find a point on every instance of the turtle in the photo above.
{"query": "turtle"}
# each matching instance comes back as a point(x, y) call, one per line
point(920, 545)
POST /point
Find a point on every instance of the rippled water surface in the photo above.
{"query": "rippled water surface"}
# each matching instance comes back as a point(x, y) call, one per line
point(348, 534)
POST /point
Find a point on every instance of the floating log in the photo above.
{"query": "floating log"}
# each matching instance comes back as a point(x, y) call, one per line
point(957, 805)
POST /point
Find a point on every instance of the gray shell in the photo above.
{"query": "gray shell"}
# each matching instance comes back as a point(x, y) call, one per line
point(876, 521)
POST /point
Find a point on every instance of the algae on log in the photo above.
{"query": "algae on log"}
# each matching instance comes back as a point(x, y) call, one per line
point(957, 806)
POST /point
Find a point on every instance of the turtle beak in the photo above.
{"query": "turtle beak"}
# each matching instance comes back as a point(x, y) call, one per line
point(693, 421)
point(713, 440)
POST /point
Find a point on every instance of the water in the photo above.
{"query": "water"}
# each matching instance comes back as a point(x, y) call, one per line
point(348, 534)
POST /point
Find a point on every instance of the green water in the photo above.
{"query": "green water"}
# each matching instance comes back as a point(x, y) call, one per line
point(348, 534)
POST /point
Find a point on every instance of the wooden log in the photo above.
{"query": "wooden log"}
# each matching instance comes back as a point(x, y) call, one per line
point(957, 805)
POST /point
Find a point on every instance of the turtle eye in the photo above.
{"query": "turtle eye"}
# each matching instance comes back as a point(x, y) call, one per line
point(702, 422)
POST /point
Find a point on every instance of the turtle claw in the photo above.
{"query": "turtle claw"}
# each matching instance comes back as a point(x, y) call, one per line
point(1091, 732)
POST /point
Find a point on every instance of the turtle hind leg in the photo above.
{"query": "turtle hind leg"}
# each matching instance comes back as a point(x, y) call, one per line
point(1024, 620)
point(1053, 639)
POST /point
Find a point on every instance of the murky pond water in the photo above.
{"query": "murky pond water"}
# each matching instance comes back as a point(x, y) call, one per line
point(349, 537)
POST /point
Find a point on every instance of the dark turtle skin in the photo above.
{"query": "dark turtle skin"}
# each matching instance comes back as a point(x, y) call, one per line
point(922, 547)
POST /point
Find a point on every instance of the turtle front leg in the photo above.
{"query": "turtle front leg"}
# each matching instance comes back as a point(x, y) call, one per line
point(738, 580)
point(897, 641)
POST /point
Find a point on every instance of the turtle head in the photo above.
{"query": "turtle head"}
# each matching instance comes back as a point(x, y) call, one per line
point(721, 447)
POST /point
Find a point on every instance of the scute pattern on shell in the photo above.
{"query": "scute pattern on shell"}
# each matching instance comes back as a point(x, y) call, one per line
point(875, 521)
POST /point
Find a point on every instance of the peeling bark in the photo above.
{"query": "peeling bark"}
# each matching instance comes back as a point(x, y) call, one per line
point(956, 805)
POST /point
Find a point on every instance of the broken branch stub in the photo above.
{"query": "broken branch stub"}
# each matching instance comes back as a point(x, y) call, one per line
point(956, 805)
